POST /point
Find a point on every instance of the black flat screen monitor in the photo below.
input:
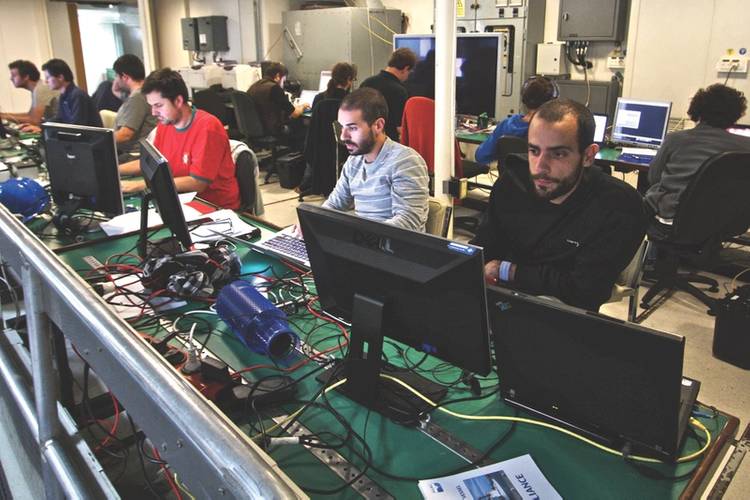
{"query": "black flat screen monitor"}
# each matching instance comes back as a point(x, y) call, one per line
point(612, 380)
point(160, 182)
point(478, 69)
point(421, 290)
point(641, 123)
point(82, 166)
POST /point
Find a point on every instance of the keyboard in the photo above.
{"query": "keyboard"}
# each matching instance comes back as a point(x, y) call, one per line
point(288, 246)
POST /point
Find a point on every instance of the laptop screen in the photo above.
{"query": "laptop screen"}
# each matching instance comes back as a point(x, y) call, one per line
point(611, 379)
point(601, 128)
point(307, 96)
point(643, 123)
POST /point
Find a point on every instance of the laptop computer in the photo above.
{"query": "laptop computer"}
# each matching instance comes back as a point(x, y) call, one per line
point(616, 382)
point(601, 128)
point(307, 96)
point(285, 244)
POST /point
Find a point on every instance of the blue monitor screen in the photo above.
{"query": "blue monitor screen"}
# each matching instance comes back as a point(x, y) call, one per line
point(477, 59)
point(642, 123)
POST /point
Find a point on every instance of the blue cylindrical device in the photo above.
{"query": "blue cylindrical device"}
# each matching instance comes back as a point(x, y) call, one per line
point(259, 324)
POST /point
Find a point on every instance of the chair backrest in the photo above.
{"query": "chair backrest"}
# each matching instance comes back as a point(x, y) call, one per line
point(438, 216)
point(509, 144)
point(245, 173)
point(211, 102)
point(716, 202)
point(418, 132)
point(246, 114)
point(108, 118)
point(631, 275)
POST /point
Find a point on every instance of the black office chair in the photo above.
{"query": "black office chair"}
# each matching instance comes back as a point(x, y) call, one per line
point(211, 102)
point(322, 151)
point(245, 173)
point(507, 145)
point(714, 206)
point(251, 129)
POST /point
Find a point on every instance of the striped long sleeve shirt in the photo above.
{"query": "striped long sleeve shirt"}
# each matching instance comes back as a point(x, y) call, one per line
point(392, 189)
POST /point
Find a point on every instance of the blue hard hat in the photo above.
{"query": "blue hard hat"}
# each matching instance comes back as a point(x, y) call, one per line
point(23, 196)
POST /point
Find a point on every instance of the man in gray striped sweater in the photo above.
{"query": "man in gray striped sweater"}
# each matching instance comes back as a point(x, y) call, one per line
point(382, 179)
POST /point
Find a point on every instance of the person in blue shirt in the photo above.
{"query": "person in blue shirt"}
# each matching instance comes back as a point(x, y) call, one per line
point(75, 107)
point(536, 91)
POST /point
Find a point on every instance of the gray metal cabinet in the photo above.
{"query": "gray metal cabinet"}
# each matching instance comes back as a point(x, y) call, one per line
point(593, 21)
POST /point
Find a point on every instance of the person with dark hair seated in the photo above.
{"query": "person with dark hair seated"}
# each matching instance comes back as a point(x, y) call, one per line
point(193, 141)
point(24, 75)
point(75, 106)
point(382, 179)
point(274, 107)
point(536, 91)
point(554, 226)
point(104, 97)
point(134, 120)
point(714, 109)
point(320, 144)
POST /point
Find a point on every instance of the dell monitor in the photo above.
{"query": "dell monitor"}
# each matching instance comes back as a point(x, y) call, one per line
point(421, 290)
point(162, 190)
point(641, 123)
point(478, 68)
point(83, 174)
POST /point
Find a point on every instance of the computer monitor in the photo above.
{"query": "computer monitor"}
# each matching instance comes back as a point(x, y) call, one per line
point(478, 68)
point(158, 177)
point(82, 166)
point(325, 75)
point(421, 290)
point(641, 123)
point(615, 381)
point(601, 128)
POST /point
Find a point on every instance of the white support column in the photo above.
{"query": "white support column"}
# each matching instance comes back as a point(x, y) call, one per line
point(445, 95)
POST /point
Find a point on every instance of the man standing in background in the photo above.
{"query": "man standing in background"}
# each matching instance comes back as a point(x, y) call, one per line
point(390, 83)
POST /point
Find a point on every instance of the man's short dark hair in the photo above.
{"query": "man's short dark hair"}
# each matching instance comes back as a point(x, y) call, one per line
point(57, 67)
point(556, 110)
point(25, 68)
point(537, 90)
point(402, 58)
point(717, 105)
point(131, 65)
point(272, 69)
point(369, 101)
point(167, 82)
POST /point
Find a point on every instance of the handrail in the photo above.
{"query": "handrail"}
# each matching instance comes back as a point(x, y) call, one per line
point(215, 459)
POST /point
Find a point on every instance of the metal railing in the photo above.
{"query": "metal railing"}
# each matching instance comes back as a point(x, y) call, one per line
point(213, 457)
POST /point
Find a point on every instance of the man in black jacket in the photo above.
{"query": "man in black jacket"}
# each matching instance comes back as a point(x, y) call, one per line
point(555, 226)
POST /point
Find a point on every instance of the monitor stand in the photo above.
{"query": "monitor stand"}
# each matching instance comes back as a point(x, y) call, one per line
point(157, 248)
point(64, 221)
point(363, 365)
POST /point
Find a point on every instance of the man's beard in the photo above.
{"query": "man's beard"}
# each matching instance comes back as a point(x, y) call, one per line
point(562, 187)
point(363, 147)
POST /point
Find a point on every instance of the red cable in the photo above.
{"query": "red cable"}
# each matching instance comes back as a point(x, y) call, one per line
point(115, 424)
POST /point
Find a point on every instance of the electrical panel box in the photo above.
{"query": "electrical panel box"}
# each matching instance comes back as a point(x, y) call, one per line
point(212, 34)
point(602, 95)
point(603, 20)
point(314, 40)
point(550, 58)
point(189, 33)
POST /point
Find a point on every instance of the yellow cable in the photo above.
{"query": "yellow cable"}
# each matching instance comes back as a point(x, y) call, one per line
point(427, 400)
point(387, 42)
point(182, 487)
point(373, 18)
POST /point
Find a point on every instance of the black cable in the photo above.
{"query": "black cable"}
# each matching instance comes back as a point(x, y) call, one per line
point(149, 484)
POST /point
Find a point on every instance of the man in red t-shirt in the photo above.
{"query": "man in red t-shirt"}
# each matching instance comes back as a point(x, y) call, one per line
point(194, 143)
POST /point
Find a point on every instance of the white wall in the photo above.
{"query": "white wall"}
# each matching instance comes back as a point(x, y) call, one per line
point(272, 36)
point(23, 35)
point(673, 52)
